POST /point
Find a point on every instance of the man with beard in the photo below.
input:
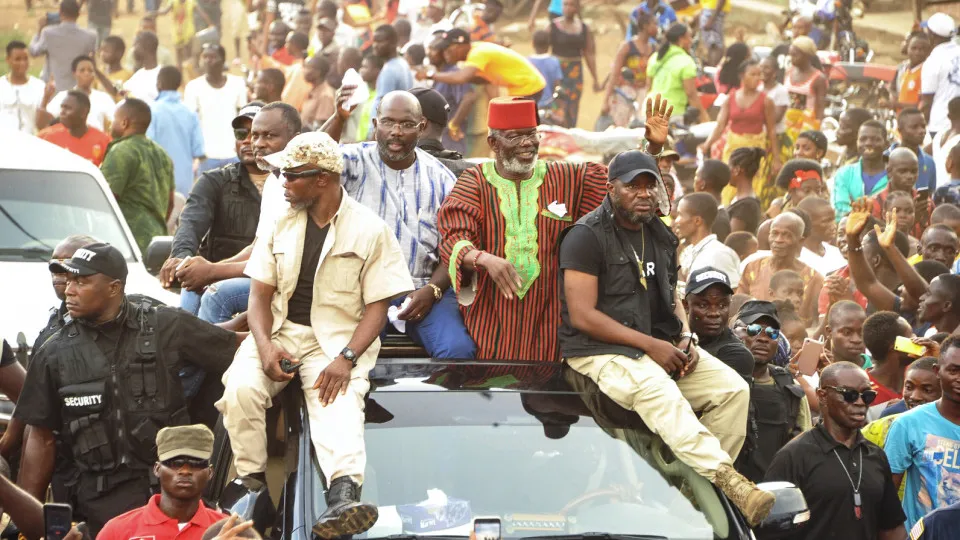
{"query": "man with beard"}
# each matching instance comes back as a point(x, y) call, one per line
point(940, 306)
point(845, 478)
point(880, 332)
point(184, 469)
point(786, 239)
point(223, 285)
point(500, 227)
point(622, 326)
point(707, 301)
point(405, 186)
point(923, 442)
point(782, 411)
point(322, 280)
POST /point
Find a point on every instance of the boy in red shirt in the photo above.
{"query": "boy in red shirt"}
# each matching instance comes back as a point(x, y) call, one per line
point(183, 467)
point(73, 133)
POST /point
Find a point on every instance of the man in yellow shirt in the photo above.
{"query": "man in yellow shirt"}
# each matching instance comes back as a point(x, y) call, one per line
point(490, 63)
point(711, 27)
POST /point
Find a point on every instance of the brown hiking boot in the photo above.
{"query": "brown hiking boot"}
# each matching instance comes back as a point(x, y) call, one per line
point(754, 502)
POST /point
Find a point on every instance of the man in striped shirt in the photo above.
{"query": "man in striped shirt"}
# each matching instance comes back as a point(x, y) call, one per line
point(405, 187)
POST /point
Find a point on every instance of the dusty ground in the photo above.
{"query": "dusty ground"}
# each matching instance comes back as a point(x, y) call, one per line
point(17, 22)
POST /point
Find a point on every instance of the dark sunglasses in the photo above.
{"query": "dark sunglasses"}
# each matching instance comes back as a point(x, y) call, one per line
point(755, 329)
point(851, 395)
point(302, 174)
point(178, 462)
point(241, 134)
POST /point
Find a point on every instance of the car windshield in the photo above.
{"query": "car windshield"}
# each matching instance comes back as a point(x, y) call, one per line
point(545, 464)
point(38, 209)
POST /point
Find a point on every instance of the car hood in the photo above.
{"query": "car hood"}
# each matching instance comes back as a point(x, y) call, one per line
point(28, 296)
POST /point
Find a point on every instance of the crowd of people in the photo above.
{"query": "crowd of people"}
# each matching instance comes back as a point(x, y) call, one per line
point(793, 296)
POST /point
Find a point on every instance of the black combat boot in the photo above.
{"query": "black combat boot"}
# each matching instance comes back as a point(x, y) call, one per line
point(345, 514)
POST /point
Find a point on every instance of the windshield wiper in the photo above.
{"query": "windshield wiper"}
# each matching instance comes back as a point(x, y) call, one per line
point(34, 253)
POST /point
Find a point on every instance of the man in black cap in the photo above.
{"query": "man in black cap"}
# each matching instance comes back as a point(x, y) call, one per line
point(106, 383)
point(780, 405)
point(707, 302)
point(435, 110)
point(622, 326)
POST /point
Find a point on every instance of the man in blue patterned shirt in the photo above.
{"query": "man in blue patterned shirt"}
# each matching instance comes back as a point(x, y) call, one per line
point(405, 187)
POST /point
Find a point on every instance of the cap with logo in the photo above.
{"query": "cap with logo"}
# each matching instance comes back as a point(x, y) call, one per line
point(457, 36)
point(754, 310)
point(248, 111)
point(194, 441)
point(703, 278)
point(434, 107)
point(99, 258)
point(312, 148)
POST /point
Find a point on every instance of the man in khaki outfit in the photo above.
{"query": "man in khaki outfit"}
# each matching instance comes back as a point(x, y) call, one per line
point(622, 326)
point(321, 284)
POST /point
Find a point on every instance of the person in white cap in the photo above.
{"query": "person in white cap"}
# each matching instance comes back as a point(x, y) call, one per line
point(321, 282)
point(940, 77)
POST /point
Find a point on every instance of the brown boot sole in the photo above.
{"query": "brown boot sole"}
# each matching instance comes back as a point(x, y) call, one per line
point(354, 520)
point(762, 510)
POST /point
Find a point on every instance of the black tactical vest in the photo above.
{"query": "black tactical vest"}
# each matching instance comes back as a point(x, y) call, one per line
point(774, 408)
point(238, 210)
point(112, 408)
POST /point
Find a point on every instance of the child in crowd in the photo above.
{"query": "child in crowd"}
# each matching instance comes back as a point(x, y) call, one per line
point(742, 242)
point(414, 54)
point(791, 326)
point(111, 57)
point(907, 81)
point(811, 145)
point(787, 287)
point(547, 64)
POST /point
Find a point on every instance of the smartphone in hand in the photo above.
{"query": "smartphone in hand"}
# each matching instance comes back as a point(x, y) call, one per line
point(809, 356)
point(57, 520)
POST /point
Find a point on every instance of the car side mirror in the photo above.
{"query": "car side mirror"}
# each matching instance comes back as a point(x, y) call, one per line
point(157, 253)
point(789, 514)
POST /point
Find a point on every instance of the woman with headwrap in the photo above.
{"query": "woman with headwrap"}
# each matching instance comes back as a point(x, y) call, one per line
point(807, 87)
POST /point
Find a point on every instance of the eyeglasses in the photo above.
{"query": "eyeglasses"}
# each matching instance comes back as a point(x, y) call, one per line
point(178, 463)
point(241, 134)
point(298, 175)
point(755, 329)
point(406, 125)
point(851, 395)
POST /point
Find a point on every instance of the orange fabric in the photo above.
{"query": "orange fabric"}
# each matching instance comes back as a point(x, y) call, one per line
point(910, 86)
point(755, 282)
point(297, 89)
point(91, 146)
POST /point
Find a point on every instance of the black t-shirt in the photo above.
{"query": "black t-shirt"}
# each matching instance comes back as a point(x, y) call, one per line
point(731, 351)
point(301, 301)
point(580, 251)
point(812, 462)
point(7, 358)
point(721, 225)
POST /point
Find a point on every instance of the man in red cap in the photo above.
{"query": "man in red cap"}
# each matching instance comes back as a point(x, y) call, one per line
point(488, 62)
point(500, 227)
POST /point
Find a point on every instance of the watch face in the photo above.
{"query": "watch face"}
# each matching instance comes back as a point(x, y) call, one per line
point(348, 354)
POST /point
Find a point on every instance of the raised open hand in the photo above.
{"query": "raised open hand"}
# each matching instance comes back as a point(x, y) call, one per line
point(657, 125)
point(889, 233)
point(859, 214)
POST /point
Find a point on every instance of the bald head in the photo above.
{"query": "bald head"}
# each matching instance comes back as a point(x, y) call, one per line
point(902, 155)
point(401, 100)
point(790, 221)
point(841, 374)
point(72, 243)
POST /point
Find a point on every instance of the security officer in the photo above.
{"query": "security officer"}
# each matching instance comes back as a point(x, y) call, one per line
point(106, 383)
point(779, 406)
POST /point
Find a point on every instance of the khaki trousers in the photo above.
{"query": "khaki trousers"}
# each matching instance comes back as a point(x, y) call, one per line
point(336, 430)
point(667, 407)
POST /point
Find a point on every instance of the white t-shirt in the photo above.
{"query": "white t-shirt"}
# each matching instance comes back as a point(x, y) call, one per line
point(143, 84)
point(831, 261)
point(711, 252)
point(19, 103)
point(216, 109)
point(941, 78)
point(272, 205)
point(941, 149)
point(780, 98)
point(102, 108)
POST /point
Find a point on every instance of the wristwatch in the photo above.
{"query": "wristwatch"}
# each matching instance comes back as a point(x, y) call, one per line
point(348, 353)
point(693, 338)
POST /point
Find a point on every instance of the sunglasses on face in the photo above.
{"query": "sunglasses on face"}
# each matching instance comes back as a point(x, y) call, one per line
point(241, 134)
point(851, 395)
point(302, 174)
point(754, 330)
point(178, 462)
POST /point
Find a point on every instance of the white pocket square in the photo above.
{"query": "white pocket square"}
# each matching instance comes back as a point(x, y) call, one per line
point(558, 209)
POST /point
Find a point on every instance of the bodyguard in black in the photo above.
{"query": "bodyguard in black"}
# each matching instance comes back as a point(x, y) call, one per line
point(707, 303)
point(845, 478)
point(436, 110)
point(106, 383)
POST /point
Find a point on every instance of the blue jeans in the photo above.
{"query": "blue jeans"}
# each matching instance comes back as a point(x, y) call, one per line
point(219, 303)
point(209, 164)
point(442, 332)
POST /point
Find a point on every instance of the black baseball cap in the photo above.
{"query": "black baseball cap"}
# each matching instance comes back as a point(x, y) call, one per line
point(703, 278)
point(626, 166)
point(457, 36)
point(248, 111)
point(434, 107)
point(99, 258)
point(754, 310)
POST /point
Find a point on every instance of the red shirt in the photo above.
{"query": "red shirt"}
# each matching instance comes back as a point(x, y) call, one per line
point(823, 301)
point(91, 146)
point(283, 56)
point(884, 394)
point(150, 523)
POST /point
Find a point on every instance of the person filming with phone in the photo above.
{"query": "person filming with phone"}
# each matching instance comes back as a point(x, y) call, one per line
point(782, 411)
